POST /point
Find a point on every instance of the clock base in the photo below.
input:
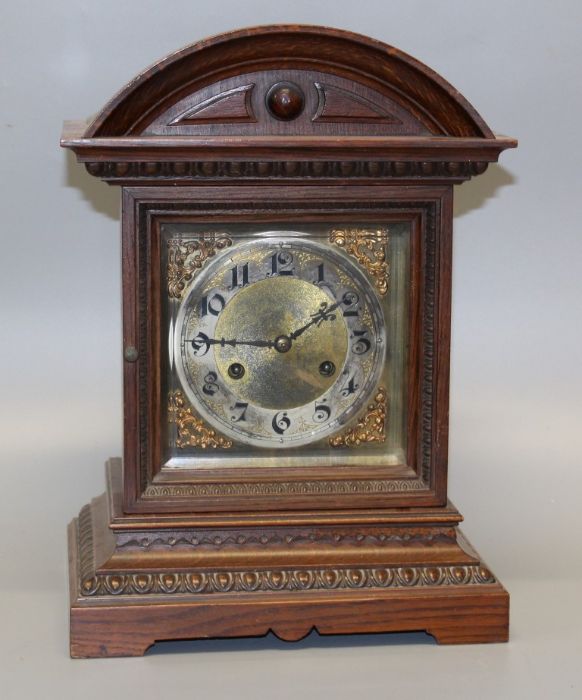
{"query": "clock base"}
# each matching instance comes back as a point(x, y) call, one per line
point(137, 581)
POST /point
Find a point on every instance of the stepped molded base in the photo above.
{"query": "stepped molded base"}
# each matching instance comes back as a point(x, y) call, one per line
point(137, 582)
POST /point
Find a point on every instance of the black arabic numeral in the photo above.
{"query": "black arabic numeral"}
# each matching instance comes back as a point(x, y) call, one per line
point(320, 274)
point(350, 388)
point(241, 416)
point(200, 344)
point(280, 422)
point(322, 412)
point(214, 305)
point(351, 300)
point(240, 276)
point(210, 386)
point(362, 344)
point(281, 263)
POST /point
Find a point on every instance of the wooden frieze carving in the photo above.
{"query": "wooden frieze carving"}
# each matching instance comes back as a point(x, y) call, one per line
point(288, 488)
point(291, 580)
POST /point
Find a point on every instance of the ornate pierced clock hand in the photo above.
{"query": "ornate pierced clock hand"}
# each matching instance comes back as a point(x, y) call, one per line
point(324, 314)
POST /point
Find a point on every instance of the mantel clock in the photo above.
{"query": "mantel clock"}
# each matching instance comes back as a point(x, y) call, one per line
point(286, 258)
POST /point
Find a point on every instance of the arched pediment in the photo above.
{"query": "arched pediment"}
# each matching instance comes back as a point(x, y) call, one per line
point(284, 103)
point(349, 85)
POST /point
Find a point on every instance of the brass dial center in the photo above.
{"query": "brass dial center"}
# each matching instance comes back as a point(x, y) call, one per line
point(286, 374)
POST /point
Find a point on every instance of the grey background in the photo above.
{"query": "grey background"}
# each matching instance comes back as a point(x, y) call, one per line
point(516, 382)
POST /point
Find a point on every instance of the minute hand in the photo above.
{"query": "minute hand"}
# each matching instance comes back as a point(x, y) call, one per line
point(318, 318)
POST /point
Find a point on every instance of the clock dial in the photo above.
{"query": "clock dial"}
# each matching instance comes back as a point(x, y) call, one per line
point(280, 342)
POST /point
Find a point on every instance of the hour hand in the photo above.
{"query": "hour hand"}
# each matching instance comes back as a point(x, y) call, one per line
point(201, 343)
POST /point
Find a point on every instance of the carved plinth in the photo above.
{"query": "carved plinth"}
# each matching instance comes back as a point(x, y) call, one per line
point(135, 581)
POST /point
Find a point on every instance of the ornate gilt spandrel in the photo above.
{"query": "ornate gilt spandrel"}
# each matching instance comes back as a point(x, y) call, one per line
point(370, 428)
point(186, 258)
point(192, 431)
point(370, 248)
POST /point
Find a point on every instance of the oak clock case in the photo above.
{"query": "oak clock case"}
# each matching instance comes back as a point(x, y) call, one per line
point(286, 258)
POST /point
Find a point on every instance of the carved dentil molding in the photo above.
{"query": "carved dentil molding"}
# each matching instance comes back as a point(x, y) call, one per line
point(257, 170)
